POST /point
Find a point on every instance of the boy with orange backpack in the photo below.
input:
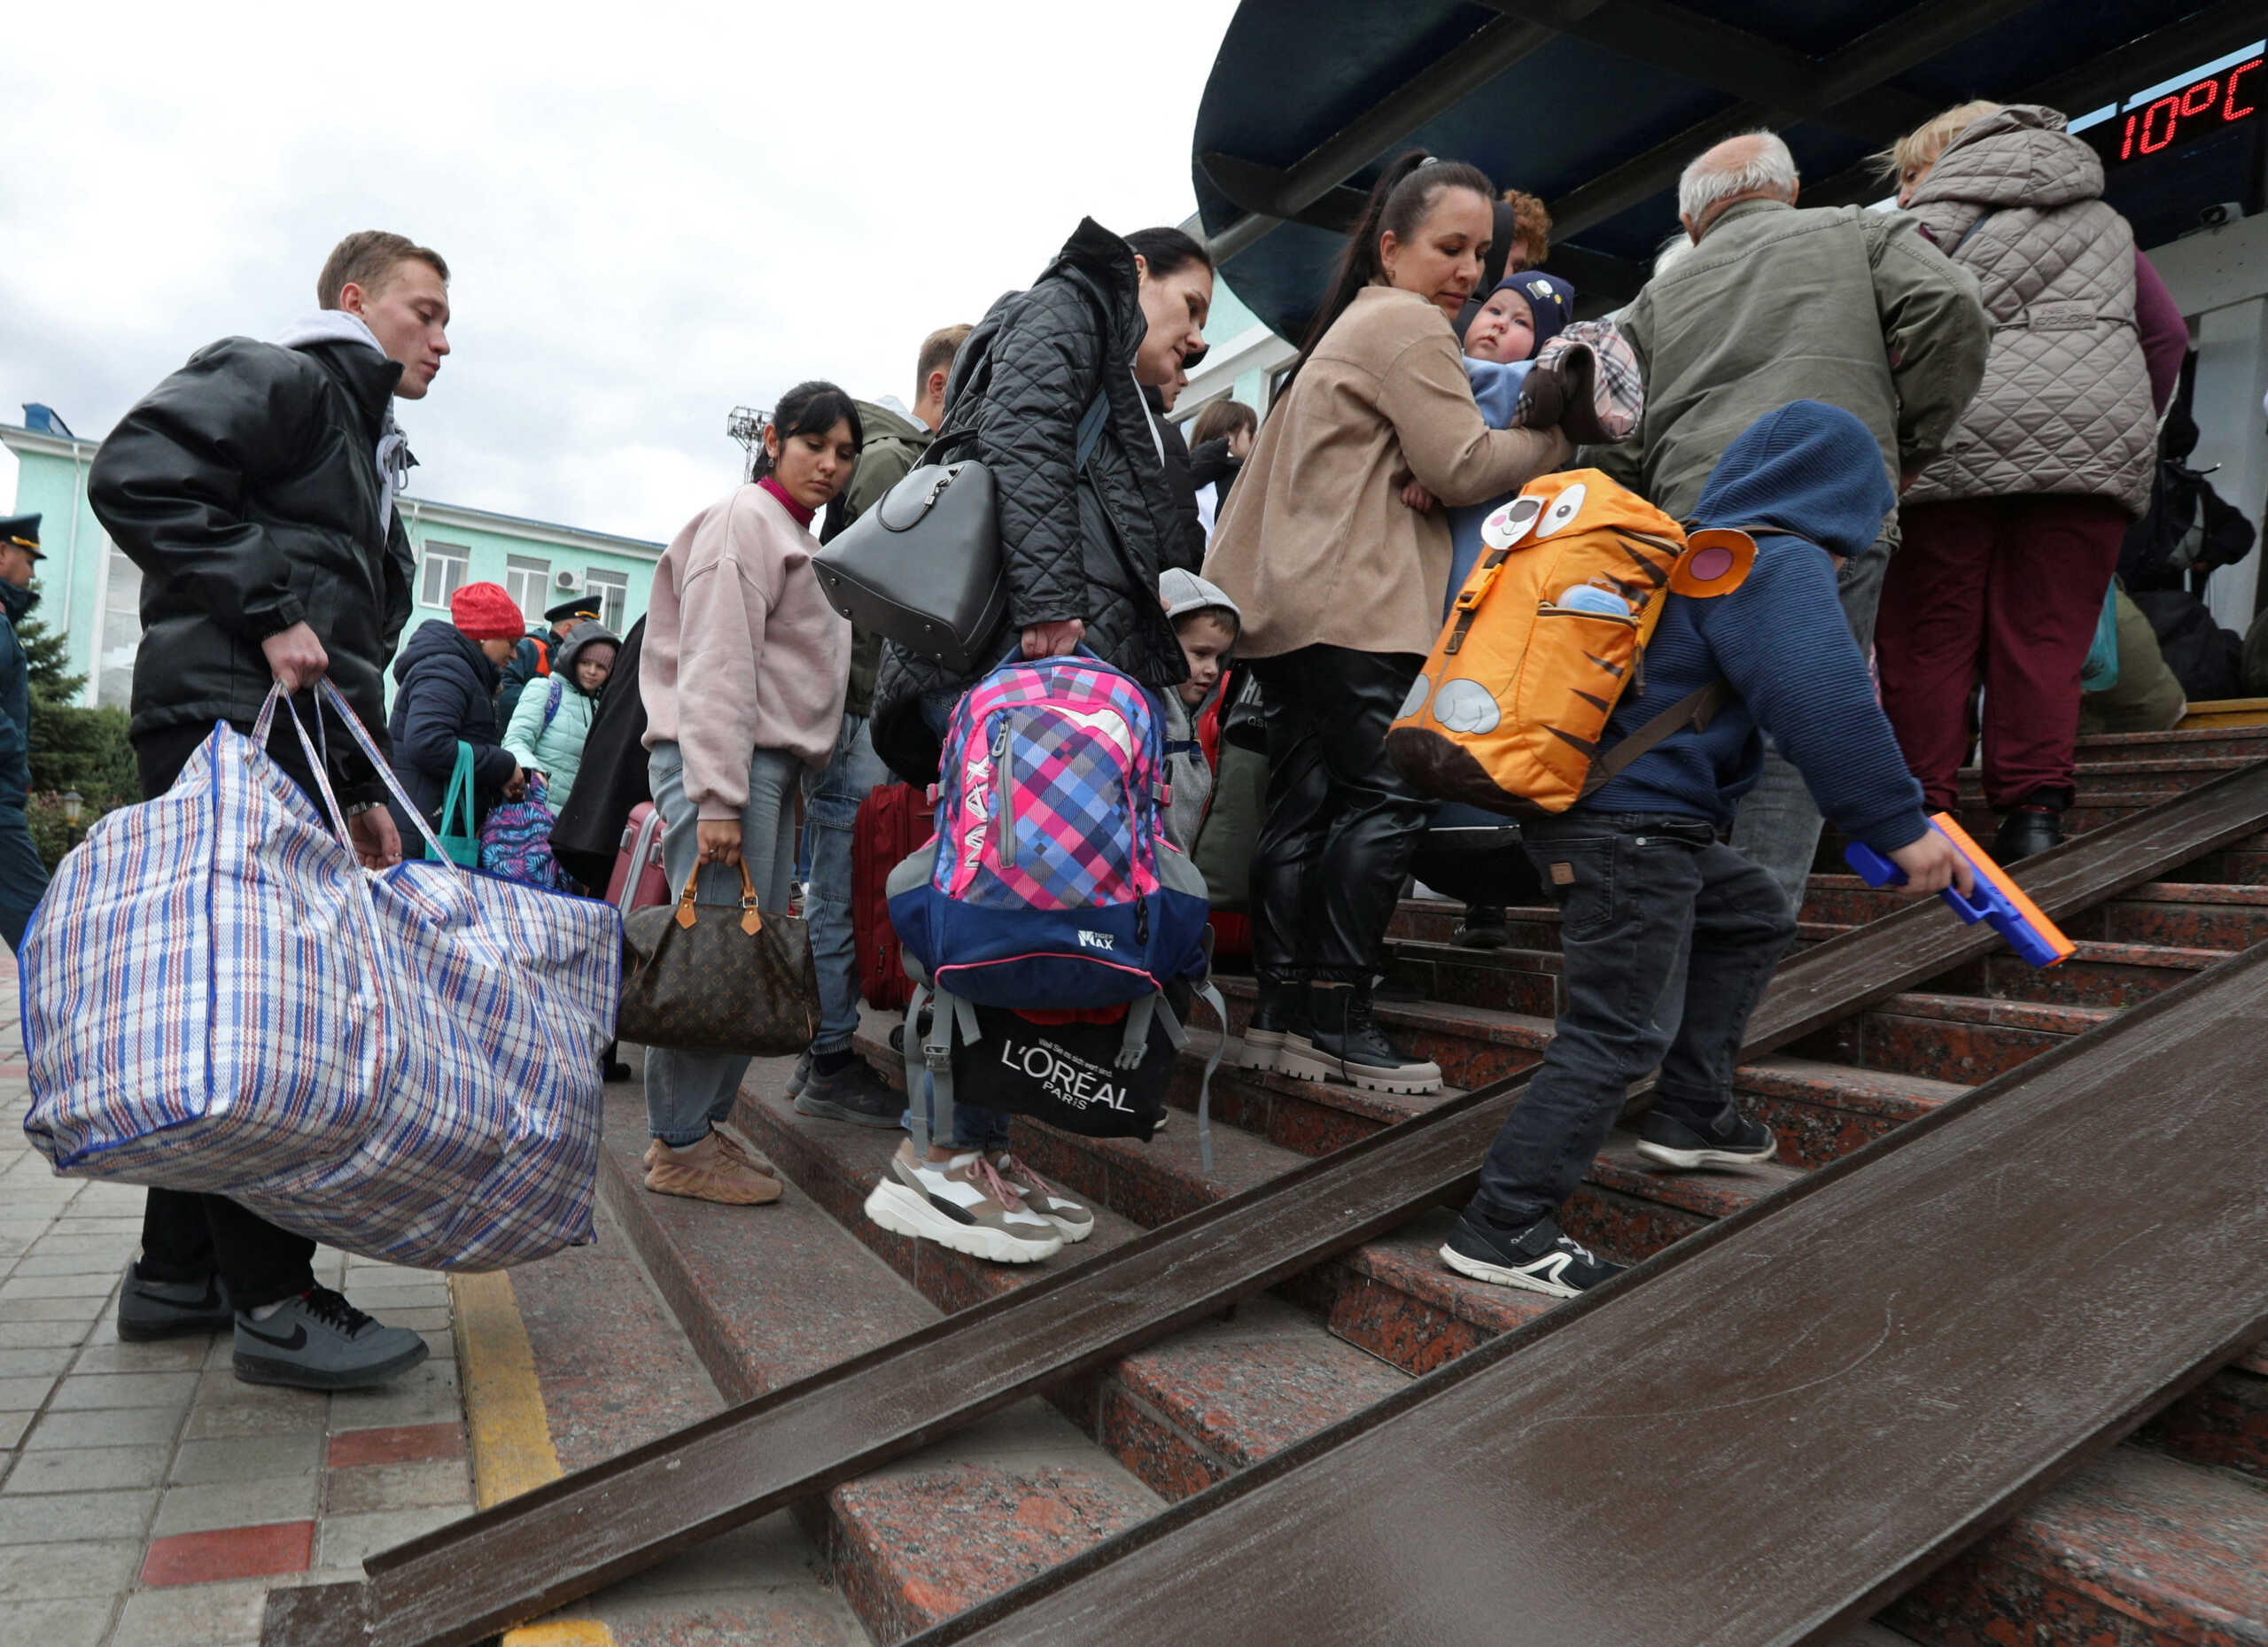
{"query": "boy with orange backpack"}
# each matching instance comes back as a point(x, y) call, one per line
point(1647, 889)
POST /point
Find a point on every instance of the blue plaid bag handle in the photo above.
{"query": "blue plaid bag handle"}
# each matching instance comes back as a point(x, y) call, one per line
point(330, 694)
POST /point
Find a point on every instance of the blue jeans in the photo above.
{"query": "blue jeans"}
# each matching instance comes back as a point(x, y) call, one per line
point(831, 800)
point(1644, 900)
point(686, 1093)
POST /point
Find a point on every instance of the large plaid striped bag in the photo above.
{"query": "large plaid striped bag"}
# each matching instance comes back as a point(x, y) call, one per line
point(404, 1064)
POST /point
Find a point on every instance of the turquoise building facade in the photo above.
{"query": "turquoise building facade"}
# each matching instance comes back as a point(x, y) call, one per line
point(91, 592)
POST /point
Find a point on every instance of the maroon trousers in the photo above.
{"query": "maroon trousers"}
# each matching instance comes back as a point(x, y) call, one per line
point(2006, 590)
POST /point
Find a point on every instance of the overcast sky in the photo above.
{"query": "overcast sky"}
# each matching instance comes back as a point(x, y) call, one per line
point(652, 212)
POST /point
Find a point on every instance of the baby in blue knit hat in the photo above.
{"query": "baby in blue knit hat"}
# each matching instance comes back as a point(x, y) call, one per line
point(1524, 313)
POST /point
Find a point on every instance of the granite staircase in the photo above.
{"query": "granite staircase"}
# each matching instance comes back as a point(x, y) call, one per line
point(2163, 1540)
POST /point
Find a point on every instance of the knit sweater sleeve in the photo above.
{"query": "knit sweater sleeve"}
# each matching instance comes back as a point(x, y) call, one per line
point(1783, 644)
point(732, 582)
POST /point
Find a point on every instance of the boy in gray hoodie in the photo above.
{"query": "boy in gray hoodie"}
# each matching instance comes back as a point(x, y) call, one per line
point(1207, 622)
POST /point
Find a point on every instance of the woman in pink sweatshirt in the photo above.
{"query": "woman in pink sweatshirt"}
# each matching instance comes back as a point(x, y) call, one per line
point(742, 674)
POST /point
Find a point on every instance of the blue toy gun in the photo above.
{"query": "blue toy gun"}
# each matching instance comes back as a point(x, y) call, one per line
point(1997, 898)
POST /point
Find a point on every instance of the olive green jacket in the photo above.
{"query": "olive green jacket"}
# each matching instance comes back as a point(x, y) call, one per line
point(1853, 307)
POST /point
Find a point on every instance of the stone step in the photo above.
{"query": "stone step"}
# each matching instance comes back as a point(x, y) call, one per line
point(2187, 914)
point(1528, 981)
point(2158, 774)
point(2207, 741)
point(1947, 1037)
point(770, 1294)
point(1179, 1415)
point(2136, 1550)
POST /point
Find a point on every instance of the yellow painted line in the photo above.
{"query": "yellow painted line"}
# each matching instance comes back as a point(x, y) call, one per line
point(509, 1434)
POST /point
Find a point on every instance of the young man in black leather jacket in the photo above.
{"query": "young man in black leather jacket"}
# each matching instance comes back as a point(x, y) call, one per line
point(255, 490)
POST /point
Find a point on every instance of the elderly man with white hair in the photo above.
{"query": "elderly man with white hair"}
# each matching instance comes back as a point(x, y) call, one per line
point(1772, 303)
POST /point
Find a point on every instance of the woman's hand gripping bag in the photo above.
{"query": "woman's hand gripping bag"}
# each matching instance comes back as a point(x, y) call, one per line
point(1510, 709)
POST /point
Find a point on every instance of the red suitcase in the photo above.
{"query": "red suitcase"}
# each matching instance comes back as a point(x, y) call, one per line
point(892, 821)
point(639, 879)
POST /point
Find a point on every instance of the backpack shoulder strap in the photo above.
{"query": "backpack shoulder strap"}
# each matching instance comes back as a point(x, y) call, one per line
point(551, 701)
point(1697, 709)
point(1091, 426)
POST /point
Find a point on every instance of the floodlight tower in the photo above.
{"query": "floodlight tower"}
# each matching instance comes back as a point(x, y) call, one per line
point(745, 424)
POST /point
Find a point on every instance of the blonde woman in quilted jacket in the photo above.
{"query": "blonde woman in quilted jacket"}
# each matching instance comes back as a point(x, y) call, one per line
point(2012, 533)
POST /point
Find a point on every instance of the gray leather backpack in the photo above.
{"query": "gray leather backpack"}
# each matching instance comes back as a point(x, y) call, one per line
point(923, 566)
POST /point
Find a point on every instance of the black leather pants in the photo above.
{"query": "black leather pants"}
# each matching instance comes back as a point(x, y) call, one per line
point(1342, 823)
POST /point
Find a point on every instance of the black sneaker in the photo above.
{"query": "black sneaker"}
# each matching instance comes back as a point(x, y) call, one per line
point(155, 1309)
point(319, 1342)
point(1345, 1044)
point(1281, 1010)
point(1731, 1140)
point(1538, 1258)
point(2027, 830)
point(854, 1094)
point(1483, 929)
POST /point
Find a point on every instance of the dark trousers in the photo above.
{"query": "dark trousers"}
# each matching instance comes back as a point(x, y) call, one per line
point(186, 1236)
point(23, 878)
point(2008, 590)
point(1644, 901)
point(1342, 824)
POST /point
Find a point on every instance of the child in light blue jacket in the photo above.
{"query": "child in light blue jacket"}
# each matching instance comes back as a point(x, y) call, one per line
point(553, 717)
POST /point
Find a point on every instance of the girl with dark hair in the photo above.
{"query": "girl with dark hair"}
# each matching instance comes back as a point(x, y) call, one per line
point(1341, 588)
point(742, 673)
point(1083, 544)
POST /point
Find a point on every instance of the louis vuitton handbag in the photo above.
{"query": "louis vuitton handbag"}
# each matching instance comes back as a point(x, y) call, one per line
point(718, 978)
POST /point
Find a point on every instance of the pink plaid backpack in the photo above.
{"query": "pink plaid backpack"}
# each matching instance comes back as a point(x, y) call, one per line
point(1051, 886)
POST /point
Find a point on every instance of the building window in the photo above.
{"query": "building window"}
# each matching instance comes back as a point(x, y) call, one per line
point(122, 629)
point(444, 572)
point(612, 589)
point(528, 582)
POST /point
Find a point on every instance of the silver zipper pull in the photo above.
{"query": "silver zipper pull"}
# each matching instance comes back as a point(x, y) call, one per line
point(1004, 811)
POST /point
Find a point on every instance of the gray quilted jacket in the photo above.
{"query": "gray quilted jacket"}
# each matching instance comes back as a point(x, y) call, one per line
point(2065, 404)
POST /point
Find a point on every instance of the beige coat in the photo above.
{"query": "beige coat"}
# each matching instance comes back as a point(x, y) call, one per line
point(1316, 546)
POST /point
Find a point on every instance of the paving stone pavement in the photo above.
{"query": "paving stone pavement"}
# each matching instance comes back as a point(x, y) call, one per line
point(147, 1499)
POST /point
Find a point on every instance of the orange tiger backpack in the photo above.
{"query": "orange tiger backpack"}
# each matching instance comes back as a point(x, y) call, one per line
point(1548, 633)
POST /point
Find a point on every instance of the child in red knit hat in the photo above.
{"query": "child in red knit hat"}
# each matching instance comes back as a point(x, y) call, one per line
point(445, 694)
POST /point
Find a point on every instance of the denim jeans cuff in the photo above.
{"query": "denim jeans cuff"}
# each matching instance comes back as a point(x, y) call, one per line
point(684, 1140)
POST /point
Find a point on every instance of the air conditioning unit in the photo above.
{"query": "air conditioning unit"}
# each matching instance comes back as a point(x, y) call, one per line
point(566, 582)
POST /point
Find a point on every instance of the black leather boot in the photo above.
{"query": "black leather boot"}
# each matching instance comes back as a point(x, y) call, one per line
point(1345, 1044)
point(1280, 1013)
point(2027, 830)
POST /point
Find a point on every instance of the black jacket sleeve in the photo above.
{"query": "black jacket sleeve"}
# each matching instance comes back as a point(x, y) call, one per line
point(169, 484)
point(1046, 365)
point(436, 706)
point(1186, 548)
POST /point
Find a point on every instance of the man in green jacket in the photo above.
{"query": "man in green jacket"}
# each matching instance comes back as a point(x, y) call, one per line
point(1774, 303)
point(833, 1081)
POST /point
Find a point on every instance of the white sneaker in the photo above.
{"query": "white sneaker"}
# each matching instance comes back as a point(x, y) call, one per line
point(963, 1205)
point(1072, 1221)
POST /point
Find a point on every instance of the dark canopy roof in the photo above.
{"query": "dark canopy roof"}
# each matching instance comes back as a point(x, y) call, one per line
point(1597, 104)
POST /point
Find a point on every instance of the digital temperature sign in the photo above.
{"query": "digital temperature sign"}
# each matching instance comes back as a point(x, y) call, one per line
point(2204, 107)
